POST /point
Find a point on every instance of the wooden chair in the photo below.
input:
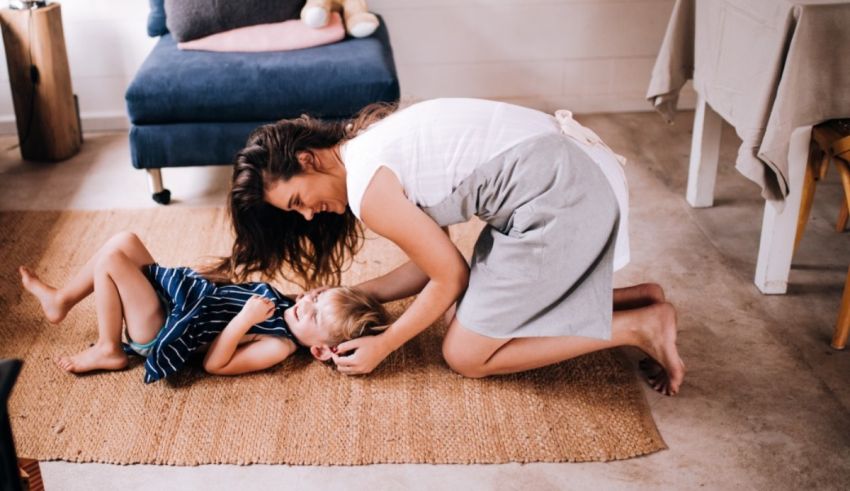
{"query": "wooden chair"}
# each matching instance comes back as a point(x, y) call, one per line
point(830, 142)
point(841, 151)
point(842, 328)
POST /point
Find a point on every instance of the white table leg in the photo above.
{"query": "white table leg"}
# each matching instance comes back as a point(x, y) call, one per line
point(705, 151)
point(779, 228)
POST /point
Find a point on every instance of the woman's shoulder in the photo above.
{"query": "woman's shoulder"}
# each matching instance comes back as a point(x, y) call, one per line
point(358, 183)
point(364, 155)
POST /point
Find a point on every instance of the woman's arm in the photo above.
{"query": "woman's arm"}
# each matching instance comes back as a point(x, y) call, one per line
point(226, 357)
point(402, 282)
point(387, 211)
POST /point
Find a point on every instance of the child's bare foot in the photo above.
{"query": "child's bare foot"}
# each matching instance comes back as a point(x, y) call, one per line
point(666, 370)
point(53, 309)
point(98, 357)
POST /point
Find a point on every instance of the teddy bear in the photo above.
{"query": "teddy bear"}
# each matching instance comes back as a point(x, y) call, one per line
point(359, 22)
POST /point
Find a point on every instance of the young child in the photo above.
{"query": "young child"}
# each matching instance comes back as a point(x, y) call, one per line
point(169, 313)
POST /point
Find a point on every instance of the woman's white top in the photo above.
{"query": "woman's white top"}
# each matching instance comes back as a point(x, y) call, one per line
point(433, 145)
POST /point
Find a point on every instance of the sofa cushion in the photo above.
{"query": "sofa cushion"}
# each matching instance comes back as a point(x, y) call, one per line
point(332, 81)
point(156, 19)
point(153, 146)
point(193, 19)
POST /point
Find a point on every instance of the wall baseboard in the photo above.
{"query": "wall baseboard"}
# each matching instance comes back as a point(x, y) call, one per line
point(118, 121)
point(595, 104)
point(91, 122)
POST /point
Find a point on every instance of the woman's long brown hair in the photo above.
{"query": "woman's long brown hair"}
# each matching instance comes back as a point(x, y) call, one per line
point(271, 241)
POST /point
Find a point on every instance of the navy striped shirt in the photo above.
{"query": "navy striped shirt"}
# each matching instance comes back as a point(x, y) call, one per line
point(197, 311)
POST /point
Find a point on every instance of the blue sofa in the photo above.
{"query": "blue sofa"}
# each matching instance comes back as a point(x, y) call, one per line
point(191, 108)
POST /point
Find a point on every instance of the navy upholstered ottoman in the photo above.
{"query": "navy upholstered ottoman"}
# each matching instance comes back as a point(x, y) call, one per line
point(190, 108)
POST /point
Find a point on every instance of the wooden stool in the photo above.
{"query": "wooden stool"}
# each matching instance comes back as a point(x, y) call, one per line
point(45, 106)
point(830, 142)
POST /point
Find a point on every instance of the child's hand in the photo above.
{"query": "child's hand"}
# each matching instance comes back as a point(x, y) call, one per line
point(257, 309)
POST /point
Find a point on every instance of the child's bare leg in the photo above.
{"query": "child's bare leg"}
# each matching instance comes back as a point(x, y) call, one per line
point(56, 302)
point(52, 308)
point(122, 293)
point(637, 296)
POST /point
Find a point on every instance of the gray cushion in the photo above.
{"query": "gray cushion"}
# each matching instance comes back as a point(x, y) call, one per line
point(193, 19)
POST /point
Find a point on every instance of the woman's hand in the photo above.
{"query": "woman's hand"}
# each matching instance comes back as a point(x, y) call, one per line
point(368, 353)
point(314, 291)
point(256, 310)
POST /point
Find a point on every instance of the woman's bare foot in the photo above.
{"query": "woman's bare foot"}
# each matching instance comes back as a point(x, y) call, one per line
point(667, 370)
point(53, 309)
point(655, 375)
point(653, 292)
point(98, 357)
point(638, 296)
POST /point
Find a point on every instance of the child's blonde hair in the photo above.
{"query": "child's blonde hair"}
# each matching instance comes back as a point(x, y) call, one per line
point(352, 314)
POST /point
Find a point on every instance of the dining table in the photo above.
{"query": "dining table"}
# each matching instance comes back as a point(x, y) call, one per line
point(772, 69)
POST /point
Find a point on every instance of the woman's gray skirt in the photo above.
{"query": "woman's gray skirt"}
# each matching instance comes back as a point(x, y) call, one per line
point(543, 265)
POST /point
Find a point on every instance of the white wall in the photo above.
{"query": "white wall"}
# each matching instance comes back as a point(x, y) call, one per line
point(106, 42)
point(586, 55)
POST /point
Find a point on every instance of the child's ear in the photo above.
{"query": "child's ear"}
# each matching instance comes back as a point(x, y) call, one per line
point(322, 352)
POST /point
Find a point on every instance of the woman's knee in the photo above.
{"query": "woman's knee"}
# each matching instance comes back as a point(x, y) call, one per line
point(461, 361)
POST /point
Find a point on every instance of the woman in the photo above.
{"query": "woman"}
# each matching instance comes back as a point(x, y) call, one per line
point(539, 287)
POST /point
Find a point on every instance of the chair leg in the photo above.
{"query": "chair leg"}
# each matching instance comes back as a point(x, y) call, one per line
point(823, 167)
point(844, 172)
point(158, 193)
point(842, 327)
point(812, 172)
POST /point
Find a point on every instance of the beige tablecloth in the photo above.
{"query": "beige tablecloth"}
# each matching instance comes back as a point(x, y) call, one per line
point(766, 66)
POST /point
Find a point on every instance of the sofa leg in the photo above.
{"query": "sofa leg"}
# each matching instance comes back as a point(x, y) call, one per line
point(158, 193)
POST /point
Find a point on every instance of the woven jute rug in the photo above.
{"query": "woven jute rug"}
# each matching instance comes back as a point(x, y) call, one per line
point(413, 409)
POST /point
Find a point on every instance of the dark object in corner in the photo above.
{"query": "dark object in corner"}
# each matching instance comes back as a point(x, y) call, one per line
point(9, 473)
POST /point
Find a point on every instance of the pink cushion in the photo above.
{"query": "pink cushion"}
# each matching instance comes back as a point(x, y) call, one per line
point(279, 36)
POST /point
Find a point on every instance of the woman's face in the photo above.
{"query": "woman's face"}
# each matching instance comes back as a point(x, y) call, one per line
point(310, 192)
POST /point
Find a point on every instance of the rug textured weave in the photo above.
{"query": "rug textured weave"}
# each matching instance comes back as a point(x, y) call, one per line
point(413, 409)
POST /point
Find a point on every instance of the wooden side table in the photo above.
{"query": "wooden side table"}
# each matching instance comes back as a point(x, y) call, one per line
point(45, 107)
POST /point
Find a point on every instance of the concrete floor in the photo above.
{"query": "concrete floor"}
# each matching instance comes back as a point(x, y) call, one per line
point(765, 403)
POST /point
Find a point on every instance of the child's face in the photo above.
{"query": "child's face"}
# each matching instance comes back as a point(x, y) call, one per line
point(304, 319)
